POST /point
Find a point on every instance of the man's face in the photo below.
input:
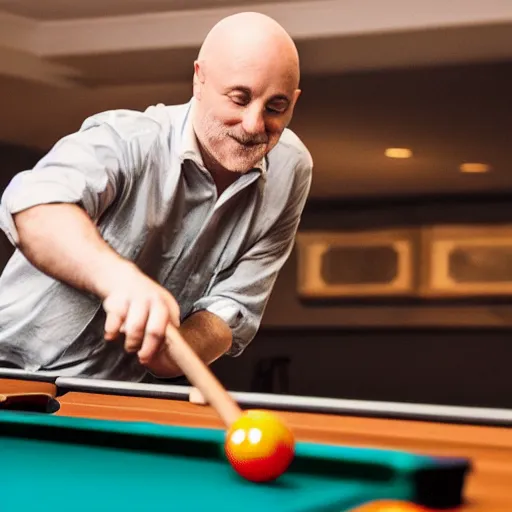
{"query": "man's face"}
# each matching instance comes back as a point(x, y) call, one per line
point(242, 110)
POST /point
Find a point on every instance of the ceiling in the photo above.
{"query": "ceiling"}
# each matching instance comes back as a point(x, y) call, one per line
point(65, 9)
point(375, 74)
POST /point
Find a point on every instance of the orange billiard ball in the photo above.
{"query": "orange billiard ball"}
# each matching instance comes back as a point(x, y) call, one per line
point(259, 446)
point(389, 506)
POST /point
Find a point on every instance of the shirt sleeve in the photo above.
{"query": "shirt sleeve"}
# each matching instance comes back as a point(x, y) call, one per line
point(86, 168)
point(240, 294)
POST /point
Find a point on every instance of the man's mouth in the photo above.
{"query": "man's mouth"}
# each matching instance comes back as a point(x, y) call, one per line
point(248, 143)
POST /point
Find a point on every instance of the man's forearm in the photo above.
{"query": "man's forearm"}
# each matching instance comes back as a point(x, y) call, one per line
point(209, 337)
point(63, 242)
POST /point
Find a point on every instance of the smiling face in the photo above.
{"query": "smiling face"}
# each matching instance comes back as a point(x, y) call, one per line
point(246, 93)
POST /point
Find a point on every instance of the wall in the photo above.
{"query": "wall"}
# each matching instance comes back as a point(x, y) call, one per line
point(457, 367)
point(285, 309)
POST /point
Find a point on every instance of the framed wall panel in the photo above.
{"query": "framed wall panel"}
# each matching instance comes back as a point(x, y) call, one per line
point(362, 264)
point(465, 261)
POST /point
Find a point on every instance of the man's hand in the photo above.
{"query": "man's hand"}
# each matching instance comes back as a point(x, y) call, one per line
point(140, 309)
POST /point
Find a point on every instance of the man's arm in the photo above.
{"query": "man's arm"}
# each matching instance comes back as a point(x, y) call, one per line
point(50, 213)
point(61, 241)
point(207, 334)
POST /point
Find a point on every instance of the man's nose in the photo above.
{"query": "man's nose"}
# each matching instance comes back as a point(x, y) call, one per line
point(253, 121)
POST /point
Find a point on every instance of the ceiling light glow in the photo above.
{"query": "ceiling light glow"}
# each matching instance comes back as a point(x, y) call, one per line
point(474, 167)
point(398, 153)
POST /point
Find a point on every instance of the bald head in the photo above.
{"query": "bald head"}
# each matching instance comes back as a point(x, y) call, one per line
point(246, 81)
point(251, 38)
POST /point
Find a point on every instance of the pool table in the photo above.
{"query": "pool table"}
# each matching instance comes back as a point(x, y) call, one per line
point(85, 444)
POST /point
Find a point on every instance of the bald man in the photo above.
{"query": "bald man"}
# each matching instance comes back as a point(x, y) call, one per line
point(181, 214)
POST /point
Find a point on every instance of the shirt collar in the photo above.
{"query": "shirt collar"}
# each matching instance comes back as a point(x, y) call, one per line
point(190, 147)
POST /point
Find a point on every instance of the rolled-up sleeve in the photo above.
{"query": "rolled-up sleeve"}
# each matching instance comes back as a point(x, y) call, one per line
point(85, 168)
point(239, 294)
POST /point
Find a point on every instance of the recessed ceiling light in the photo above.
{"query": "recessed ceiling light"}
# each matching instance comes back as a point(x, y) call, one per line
point(474, 167)
point(398, 153)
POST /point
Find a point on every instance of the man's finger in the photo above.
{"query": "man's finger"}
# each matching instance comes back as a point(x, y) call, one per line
point(155, 332)
point(174, 311)
point(113, 325)
point(135, 325)
point(116, 309)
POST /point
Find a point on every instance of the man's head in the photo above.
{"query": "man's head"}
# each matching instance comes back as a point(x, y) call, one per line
point(246, 80)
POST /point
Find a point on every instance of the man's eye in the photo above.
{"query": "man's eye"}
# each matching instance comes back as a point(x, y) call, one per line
point(274, 109)
point(239, 100)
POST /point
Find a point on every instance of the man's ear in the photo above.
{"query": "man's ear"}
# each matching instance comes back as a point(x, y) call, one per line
point(198, 79)
point(296, 95)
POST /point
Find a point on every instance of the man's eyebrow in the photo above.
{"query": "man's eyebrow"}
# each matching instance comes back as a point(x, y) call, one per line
point(240, 88)
point(246, 90)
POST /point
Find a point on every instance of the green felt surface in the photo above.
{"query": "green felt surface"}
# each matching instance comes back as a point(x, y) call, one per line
point(51, 463)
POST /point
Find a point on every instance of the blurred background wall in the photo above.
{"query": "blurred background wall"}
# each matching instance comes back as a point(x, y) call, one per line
point(400, 286)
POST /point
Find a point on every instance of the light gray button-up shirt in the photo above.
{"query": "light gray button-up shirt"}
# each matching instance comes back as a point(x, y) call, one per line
point(140, 177)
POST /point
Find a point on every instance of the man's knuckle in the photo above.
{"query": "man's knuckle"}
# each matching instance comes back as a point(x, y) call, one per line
point(135, 330)
point(154, 332)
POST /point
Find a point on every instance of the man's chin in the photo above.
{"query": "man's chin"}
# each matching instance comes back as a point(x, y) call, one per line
point(240, 165)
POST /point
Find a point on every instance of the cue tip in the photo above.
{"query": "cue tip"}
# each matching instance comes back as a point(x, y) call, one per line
point(196, 397)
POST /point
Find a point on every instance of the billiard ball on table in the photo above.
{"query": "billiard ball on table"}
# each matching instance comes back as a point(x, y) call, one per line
point(259, 446)
point(389, 506)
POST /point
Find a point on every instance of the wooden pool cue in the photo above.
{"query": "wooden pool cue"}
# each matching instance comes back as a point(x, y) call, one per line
point(201, 377)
